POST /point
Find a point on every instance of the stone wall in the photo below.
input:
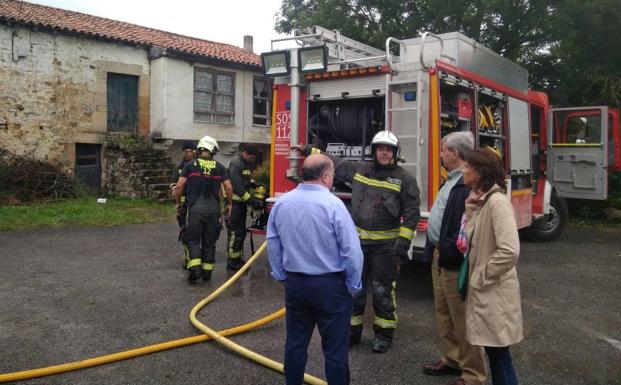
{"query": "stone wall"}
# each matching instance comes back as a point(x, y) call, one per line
point(53, 91)
point(137, 168)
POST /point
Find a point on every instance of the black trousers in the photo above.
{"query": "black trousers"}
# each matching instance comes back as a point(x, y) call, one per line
point(323, 301)
point(380, 271)
point(236, 227)
point(202, 233)
point(182, 218)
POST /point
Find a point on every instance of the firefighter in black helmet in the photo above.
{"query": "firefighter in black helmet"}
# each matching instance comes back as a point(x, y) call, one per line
point(188, 149)
point(240, 172)
point(385, 208)
point(201, 181)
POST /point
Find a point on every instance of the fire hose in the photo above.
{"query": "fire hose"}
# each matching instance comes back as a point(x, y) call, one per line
point(209, 334)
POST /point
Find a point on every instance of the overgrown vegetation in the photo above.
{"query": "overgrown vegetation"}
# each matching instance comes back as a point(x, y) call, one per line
point(84, 211)
point(599, 212)
point(25, 180)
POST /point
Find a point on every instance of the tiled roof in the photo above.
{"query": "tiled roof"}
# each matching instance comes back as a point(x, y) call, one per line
point(75, 22)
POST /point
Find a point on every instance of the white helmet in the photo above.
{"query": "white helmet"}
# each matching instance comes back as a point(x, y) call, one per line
point(385, 137)
point(208, 143)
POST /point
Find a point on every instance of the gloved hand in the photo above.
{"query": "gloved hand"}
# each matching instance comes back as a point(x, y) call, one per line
point(402, 246)
point(255, 203)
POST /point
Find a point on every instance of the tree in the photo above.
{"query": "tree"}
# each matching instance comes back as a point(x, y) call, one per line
point(514, 28)
point(568, 46)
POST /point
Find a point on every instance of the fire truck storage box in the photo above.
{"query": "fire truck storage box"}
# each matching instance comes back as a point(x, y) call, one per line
point(469, 55)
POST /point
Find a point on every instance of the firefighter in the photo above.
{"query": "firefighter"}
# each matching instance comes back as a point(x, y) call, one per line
point(188, 149)
point(385, 208)
point(201, 181)
point(240, 170)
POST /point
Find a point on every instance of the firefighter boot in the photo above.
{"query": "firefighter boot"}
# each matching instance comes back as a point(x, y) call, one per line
point(235, 263)
point(206, 275)
point(381, 345)
point(195, 274)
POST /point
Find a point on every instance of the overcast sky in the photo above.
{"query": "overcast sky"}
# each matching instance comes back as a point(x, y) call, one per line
point(223, 21)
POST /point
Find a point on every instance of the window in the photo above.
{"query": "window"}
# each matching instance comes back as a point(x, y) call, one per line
point(214, 96)
point(261, 102)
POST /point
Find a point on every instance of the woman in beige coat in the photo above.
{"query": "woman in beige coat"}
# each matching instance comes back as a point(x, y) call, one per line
point(493, 304)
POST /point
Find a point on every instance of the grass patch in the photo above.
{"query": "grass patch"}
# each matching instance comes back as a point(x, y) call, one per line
point(84, 212)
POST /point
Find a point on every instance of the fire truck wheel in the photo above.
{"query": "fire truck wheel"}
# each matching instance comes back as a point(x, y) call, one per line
point(550, 228)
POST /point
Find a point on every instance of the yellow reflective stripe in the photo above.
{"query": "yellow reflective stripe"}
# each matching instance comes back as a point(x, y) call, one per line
point(194, 262)
point(356, 320)
point(234, 254)
point(377, 183)
point(315, 150)
point(243, 198)
point(231, 243)
point(406, 233)
point(377, 235)
point(207, 266)
point(389, 323)
point(385, 323)
point(182, 199)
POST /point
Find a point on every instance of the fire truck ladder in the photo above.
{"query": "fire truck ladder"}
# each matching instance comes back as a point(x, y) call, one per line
point(342, 49)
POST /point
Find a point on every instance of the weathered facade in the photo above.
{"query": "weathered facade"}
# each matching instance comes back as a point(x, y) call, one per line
point(67, 80)
point(53, 91)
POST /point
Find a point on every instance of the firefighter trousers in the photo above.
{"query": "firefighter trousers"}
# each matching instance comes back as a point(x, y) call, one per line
point(182, 218)
point(380, 271)
point(203, 232)
point(236, 230)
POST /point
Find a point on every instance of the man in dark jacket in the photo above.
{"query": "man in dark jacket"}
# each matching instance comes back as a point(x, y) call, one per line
point(188, 149)
point(240, 172)
point(458, 356)
point(385, 208)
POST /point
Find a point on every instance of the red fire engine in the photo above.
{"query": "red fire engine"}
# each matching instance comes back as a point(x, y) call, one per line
point(336, 93)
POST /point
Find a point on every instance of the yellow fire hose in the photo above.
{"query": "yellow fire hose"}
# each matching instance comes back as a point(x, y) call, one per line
point(232, 345)
point(218, 336)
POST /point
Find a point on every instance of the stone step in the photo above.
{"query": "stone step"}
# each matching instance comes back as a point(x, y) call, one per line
point(143, 159)
point(163, 172)
point(158, 187)
point(150, 166)
point(149, 180)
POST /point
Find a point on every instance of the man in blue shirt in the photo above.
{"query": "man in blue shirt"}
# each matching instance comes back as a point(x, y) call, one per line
point(314, 249)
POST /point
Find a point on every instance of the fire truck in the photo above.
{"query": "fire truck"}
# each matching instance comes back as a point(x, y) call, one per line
point(336, 93)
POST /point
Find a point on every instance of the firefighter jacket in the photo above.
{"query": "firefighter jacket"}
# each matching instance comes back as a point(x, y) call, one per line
point(385, 200)
point(240, 173)
point(176, 173)
point(205, 177)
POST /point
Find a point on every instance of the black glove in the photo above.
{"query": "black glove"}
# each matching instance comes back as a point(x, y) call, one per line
point(255, 203)
point(402, 246)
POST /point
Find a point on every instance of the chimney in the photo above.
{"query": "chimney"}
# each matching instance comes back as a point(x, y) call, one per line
point(248, 43)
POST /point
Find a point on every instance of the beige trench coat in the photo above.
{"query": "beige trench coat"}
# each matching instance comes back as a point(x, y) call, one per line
point(493, 303)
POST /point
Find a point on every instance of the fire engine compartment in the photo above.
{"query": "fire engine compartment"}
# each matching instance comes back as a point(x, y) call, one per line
point(345, 127)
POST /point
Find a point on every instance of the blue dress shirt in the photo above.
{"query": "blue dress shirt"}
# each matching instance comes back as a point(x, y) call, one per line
point(310, 231)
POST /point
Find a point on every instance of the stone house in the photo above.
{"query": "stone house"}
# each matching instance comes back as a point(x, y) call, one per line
point(69, 80)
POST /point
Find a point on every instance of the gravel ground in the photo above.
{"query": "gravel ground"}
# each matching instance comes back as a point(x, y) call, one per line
point(68, 294)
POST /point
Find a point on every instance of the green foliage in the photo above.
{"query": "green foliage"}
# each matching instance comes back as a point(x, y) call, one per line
point(568, 46)
point(84, 211)
point(261, 174)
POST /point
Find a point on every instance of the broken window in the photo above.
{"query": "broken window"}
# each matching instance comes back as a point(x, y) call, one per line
point(261, 102)
point(214, 96)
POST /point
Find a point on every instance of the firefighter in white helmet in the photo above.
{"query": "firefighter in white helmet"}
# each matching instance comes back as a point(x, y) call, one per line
point(385, 208)
point(200, 181)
